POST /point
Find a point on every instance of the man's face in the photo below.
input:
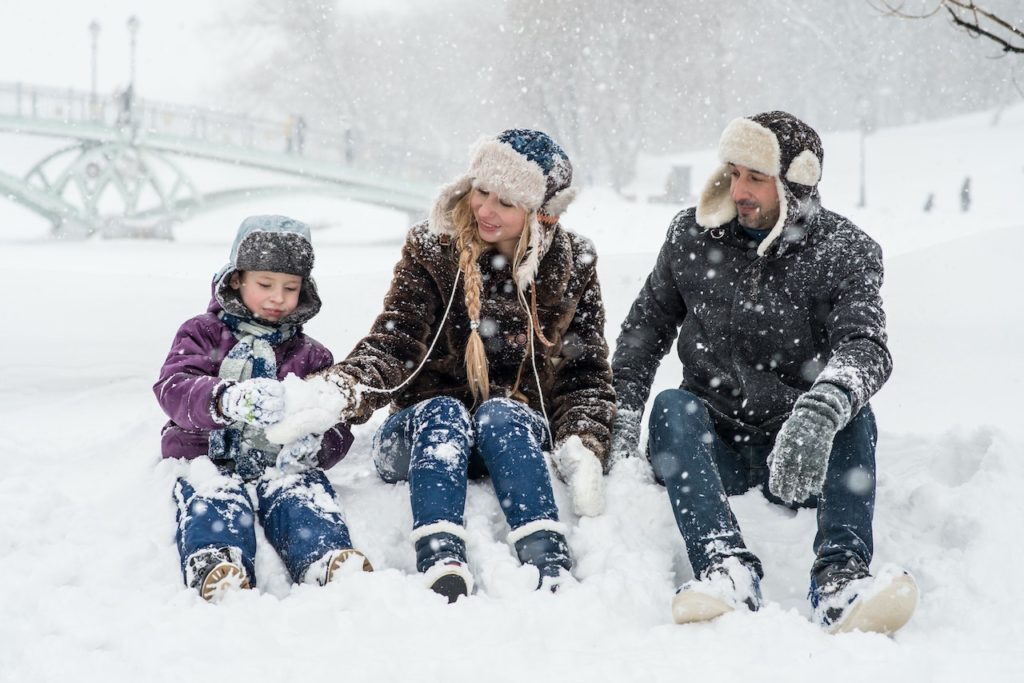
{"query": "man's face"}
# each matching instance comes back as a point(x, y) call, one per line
point(756, 197)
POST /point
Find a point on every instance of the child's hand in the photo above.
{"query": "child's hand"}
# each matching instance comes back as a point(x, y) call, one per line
point(258, 402)
point(299, 455)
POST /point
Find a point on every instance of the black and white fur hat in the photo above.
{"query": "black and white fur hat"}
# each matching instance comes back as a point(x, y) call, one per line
point(525, 167)
point(774, 143)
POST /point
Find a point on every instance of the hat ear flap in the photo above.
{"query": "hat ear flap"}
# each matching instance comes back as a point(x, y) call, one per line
point(447, 198)
point(805, 169)
point(559, 202)
point(715, 206)
point(527, 270)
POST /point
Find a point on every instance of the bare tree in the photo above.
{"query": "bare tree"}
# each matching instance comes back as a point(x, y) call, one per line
point(977, 21)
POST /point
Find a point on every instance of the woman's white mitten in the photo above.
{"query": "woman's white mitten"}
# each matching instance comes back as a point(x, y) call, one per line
point(582, 471)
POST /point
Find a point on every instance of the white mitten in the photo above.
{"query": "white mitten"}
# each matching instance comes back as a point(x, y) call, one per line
point(581, 470)
point(299, 455)
point(257, 402)
point(311, 406)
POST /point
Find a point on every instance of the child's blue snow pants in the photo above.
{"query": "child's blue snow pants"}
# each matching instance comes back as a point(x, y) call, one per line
point(299, 514)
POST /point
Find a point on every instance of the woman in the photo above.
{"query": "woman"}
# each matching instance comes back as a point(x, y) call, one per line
point(491, 350)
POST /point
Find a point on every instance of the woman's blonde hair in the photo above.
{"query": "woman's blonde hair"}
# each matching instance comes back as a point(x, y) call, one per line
point(470, 247)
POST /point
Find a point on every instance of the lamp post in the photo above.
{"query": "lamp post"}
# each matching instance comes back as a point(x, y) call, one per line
point(94, 34)
point(133, 29)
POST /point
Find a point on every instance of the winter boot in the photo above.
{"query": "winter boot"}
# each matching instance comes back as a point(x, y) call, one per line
point(727, 585)
point(441, 558)
point(214, 571)
point(548, 551)
point(328, 567)
point(847, 598)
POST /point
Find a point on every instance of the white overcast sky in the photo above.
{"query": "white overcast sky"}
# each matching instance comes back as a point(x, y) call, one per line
point(182, 53)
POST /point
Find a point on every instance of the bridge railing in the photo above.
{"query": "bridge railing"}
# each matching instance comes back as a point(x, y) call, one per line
point(291, 135)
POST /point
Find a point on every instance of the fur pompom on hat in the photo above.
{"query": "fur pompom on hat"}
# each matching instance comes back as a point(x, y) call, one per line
point(525, 167)
point(277, 244)
point(774, 143)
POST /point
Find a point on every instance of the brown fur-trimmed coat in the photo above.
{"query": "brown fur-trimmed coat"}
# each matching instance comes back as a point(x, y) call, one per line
point(575, 374)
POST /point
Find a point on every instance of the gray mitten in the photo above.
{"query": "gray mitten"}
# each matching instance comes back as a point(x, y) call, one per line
point(625, 435)
point(258, 402)
point(799, 459)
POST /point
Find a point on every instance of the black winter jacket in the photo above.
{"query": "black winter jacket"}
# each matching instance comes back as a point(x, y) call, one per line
point(757, 331)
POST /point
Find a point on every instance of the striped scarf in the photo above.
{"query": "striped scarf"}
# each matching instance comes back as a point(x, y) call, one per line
point(251, 356)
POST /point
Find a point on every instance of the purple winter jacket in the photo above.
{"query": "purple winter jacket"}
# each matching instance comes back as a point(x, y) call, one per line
point(188, 385)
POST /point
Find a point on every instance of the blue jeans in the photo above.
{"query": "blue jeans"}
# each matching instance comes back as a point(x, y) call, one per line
point(298, 513)
point(438, 446)
point(700, 470)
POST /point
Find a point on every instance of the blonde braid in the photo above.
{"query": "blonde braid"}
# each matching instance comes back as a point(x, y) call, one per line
point(469, 249)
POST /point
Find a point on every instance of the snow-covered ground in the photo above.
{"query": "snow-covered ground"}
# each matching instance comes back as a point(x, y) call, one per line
point(89, 582)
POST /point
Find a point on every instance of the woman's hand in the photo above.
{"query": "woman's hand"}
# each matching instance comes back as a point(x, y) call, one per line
point(582, 471)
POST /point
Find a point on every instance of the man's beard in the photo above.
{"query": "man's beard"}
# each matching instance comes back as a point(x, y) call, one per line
point(759, 220)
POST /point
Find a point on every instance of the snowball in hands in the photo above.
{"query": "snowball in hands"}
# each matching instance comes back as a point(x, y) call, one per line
point(582, 471)
point(258, 402)
point(311, 406)
point(799, 459)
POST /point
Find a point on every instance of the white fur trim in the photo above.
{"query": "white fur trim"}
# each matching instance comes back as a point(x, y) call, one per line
point(535, 526)
point(437, 528)
point(715, 206)
point(447, 197)
point(497, 167)
point(445, 568)
point(779, 224)
point(750, 144)
point(557, 205)
point(527, 270)
point(805, 169)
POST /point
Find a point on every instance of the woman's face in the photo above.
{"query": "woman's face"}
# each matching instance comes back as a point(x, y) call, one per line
point(498, 222)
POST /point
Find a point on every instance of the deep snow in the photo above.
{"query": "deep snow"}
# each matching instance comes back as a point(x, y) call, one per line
point(89, 581)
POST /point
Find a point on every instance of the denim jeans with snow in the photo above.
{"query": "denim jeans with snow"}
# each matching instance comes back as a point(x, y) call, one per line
point(700, 470)
point(298, 512)
point(437, 446)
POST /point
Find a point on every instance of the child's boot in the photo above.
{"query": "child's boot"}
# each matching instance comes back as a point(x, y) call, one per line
point(215, 571)
point(329, 567)
point(441, 558)
point(546, 549)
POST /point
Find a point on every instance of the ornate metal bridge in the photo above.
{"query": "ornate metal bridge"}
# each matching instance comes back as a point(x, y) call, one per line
point(121, 173)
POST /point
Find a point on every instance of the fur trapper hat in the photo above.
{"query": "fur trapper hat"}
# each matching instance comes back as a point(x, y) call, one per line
point(276, 244)
point(525, 167)
point(774, 143)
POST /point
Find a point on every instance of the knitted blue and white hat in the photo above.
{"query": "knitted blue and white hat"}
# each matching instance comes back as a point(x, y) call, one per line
point(774, 143)
point(525, 167)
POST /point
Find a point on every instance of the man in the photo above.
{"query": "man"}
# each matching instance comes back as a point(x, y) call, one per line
point(776, 304)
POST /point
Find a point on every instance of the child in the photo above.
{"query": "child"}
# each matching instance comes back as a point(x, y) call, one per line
point(220, 387)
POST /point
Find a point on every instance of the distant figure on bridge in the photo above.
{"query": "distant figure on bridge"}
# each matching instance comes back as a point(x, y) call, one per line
point(221, 388)
point(125, 101)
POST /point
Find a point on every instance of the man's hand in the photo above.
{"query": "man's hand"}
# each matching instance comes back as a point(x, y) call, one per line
point(258, 402)
point(799, 460)
point(581, 470)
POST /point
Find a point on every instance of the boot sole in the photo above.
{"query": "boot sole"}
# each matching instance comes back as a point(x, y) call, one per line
point(885, 612)
point(343, 557)
point(222, 578)
point(451, 586)
point(692, 607)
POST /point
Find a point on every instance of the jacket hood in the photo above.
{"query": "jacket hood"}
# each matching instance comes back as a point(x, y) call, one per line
point(271, 243)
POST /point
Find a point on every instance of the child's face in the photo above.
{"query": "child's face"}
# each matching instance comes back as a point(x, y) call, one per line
point(268, 295)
